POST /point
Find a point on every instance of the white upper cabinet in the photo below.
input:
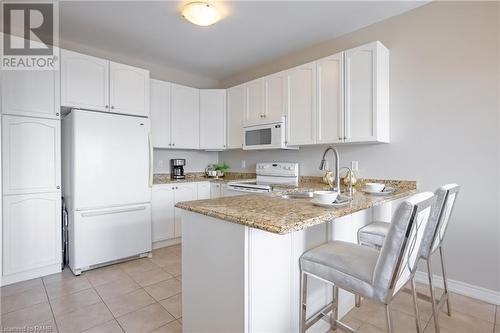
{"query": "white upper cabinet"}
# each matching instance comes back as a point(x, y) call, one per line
point(160, 113)
point(98, 84)
point(275, 100)
point(301, 121)
point(31, 155)
point(162, 212)
point(254, 96)
point(341, 98)
point(235, 112)
point(213, 119)
point(185, 117)
point(367, 93)
point(128, 89)
point(84, 81)
point(30, 93)
point(31, 232)
point(330, 115)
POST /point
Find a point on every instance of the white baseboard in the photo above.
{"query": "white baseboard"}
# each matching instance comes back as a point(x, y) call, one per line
point(31, 274)
point(164, 243)
point(462, 288)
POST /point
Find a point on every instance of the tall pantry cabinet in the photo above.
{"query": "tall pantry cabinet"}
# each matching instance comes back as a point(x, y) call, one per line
point(31, 174)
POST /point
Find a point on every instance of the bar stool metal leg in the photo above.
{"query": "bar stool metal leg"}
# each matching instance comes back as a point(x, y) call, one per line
point(445, 281)
point(415, 305)
point(335, 309)
point(435, 310)
point(303, 301)
point(388, 318)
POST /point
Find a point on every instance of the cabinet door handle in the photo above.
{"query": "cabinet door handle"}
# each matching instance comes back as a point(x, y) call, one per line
point(58, 187)
point(106, 106)
point(112, 107)
point(173, 188)
point(176, 188)
point(173, 144)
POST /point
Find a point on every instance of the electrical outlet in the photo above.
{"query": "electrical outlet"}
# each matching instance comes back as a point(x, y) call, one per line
point(354, 165)
point(243, 164)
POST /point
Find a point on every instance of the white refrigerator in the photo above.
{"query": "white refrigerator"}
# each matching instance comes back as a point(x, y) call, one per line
point(107, 178)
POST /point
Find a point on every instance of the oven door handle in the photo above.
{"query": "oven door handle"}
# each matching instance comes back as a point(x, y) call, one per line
point(246, 189)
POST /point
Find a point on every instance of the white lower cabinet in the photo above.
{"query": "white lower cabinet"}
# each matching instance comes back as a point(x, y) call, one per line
point(162, 212)
point(215, 190)
point(166, 219)
point(31, 233)
point(203, 190)
point(183, 192)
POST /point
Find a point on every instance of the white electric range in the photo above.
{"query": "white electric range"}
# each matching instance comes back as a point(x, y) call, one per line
point(268, 173)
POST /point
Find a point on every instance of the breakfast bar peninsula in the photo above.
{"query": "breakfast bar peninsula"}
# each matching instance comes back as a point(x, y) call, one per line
point(240, 256)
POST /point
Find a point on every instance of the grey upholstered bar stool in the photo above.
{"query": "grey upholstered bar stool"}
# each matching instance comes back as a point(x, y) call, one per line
point(373, 235)
point(365, 271)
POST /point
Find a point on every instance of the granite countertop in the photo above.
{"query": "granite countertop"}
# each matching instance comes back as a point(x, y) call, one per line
point(271, 212)
point(192, 177)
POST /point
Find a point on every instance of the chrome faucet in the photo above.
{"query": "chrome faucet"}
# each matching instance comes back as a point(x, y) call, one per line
point(322, 166)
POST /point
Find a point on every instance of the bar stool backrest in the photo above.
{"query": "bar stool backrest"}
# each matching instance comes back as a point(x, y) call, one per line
point(449, 202)
point(402, 247)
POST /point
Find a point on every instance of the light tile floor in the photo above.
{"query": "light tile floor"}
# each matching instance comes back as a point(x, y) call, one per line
point(144, 295)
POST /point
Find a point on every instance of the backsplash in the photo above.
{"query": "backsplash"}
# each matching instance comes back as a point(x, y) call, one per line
point(196, 161)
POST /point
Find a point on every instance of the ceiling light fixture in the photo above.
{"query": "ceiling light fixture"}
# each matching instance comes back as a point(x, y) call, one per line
point(201, 13)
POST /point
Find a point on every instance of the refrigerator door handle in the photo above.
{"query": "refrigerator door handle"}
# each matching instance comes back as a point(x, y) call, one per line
point(113, 211)
point(150, 143)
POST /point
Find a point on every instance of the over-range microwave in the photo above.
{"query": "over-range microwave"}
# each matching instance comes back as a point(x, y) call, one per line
point(270, 135)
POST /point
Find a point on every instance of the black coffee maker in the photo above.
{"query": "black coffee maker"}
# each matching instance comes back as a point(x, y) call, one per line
point(177, 168)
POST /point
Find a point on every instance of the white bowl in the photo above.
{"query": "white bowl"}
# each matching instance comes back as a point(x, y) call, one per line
point(325, 197)
point(374, 187)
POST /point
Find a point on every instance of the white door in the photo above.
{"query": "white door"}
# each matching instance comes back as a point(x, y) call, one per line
point(360, 71)
point(111, 160)
point(160, 113)
point(215, 190)
point(31, 231)
point(203, 190)
point(183, 192)
point(254, 94)
point(30, 93)
point(275, 95)
point(31, 155)
point(330, 119)
point(213, 119)
point(302, 105)
point(162, 212)
point(185, 117)
point(235, 112)
point(128, 89)
point(84, 81)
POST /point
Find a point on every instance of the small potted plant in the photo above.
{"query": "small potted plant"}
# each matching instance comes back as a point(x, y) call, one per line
point(221, 169)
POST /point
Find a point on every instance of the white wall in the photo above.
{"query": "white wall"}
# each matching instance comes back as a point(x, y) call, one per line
point(444, 121)
point(196, 161)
